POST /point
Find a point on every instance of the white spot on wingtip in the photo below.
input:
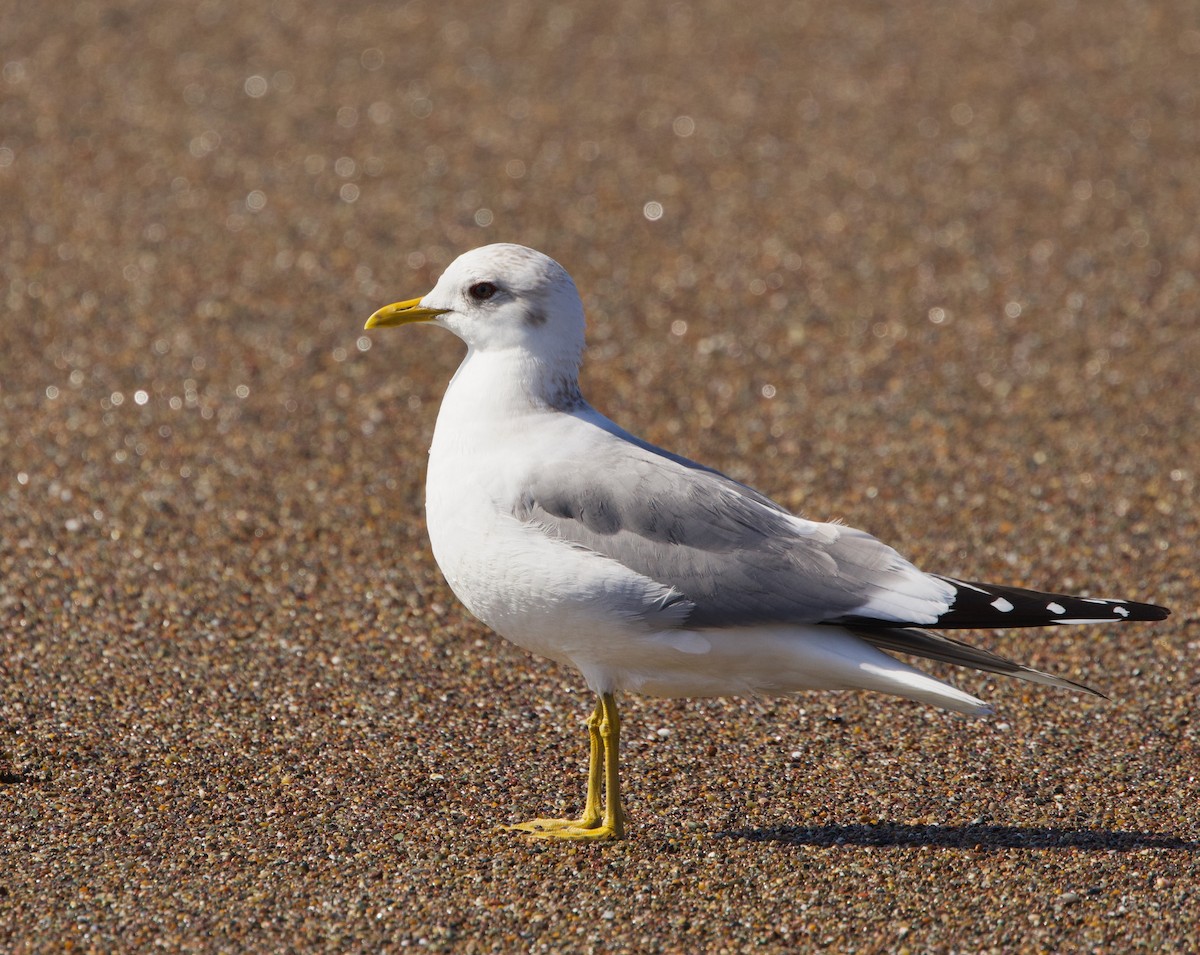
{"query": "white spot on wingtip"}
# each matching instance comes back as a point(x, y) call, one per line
point(1002, 605)
point(1123, 611)
point(1056, 608)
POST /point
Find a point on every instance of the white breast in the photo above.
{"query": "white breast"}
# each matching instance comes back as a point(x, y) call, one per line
point(545, 595)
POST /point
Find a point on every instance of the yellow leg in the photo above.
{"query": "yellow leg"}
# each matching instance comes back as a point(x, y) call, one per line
point(610, 736)
point(604, 737)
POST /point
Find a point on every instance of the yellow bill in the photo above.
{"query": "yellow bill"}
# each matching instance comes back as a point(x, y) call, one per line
point(403, 313)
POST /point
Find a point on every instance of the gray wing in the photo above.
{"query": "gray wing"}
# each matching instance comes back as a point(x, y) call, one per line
point(736, 557)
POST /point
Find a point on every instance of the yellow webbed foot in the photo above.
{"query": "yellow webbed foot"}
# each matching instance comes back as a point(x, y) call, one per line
point(580, 830)
point(537, 827)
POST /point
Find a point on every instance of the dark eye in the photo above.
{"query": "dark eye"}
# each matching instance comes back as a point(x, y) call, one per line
point(482, 291)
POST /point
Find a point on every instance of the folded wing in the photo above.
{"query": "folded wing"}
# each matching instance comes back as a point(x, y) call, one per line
point(737, 558)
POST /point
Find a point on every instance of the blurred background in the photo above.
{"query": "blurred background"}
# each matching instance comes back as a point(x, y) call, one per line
point(928, 268)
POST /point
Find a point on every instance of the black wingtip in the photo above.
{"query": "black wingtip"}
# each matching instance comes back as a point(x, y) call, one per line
point(992, 605)
point(1153, 612)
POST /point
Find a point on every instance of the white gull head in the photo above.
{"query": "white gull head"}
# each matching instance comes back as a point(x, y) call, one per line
point(509, 304)
point(508, 296)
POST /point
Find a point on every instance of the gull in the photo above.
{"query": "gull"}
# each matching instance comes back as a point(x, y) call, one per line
point(650, 573)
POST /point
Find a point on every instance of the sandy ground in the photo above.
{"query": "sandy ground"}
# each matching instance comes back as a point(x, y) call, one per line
point(928, 268)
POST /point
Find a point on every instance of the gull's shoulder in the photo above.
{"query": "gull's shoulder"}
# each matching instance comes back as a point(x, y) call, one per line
point(607, 452)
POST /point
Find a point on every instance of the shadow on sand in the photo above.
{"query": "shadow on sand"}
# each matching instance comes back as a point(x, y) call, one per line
point(978, 837)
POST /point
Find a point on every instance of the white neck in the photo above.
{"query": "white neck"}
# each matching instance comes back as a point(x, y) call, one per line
point(501, 383)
